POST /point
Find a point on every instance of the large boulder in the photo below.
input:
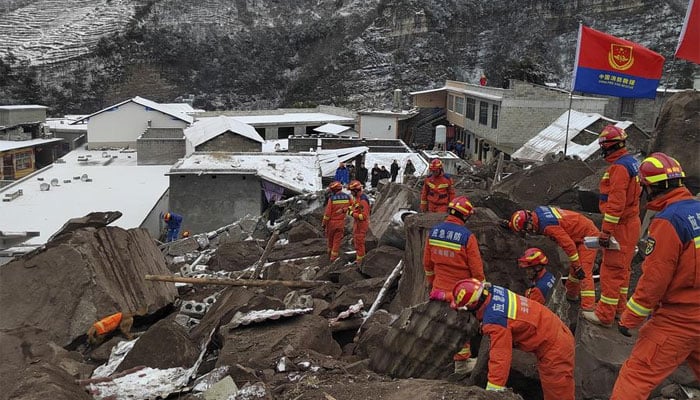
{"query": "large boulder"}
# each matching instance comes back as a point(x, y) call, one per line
point(392, 198)
point(80, 277)
point(235, 256)
point(381, 261)
point(303, 230)
point(676, 134)
point(164, 345)
point(365, 290)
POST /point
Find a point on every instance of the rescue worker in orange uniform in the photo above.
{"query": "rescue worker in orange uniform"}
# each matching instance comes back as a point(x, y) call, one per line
point(437, 191)
point(450, 255)
point(360, 212)
point(668, 292)
point(334, 218)
point(619, 204)
point(513, 321)
point(567, 228)
point(541, 281)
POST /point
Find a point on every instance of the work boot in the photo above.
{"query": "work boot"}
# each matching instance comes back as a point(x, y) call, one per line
point(465, 367)
point(592, 318)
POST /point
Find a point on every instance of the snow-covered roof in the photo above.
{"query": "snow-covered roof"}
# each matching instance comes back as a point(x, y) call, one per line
point(184, 108)
point(57, 124)
point(292, 118)
point(333, 129)
point(146, 103)
point(269, 145)
point(116, 185)
point(331, 158)
point(23, 107)
point(428, 91)
point(474, 93)
point(551, 139)
point(298, 172)
point(205, 129)
point(6, 145)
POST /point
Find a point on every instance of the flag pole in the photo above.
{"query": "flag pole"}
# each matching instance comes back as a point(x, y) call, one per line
point(663, 96)
point(571, 93)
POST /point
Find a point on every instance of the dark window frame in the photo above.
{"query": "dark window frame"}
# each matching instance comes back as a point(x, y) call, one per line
point(483, 112)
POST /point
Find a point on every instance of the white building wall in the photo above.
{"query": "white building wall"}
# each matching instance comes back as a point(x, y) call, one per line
point(378, 127)
point(121, 126)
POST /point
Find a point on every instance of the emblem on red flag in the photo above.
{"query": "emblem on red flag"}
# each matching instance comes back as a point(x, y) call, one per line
point(620, 56)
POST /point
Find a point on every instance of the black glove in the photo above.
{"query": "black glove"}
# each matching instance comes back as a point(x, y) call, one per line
point(604, 239)
point(504, 224)
point(579, 273)
point(623, 330)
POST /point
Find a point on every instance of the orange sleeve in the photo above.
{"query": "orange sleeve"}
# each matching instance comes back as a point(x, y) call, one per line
point(500, 355)
point(535, 294)
point(424, 196)
point(658, 269)
point(329, 210)
point(450, 190)
point(428, 265)
point(559, 235)
point(476, 265)
point(361, 210)
point(617, 197)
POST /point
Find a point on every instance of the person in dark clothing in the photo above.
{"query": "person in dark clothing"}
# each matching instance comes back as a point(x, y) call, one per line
point(384, 173)
point(362, 174)
point(409, 169)
point(394, 170)
point(376, 171)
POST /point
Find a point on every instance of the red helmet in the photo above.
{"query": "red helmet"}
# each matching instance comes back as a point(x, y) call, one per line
point(532, 258)
point(355, 185)
point(611, 135)
point(186, 234)
point(166, 217)
point(466, 293)
point(518, 221)
point(436, 165)
point(335, 186)
point(461, 205)
point(659, 167)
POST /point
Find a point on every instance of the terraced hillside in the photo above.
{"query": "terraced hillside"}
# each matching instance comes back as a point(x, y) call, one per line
point(50, 31)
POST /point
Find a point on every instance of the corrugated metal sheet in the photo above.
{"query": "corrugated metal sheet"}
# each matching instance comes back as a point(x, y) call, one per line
point(205, 129)
point(551, 139)
point(264, 315)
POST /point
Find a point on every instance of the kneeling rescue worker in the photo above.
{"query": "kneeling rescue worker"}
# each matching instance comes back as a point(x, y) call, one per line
point(513, 321)
point(541, 280)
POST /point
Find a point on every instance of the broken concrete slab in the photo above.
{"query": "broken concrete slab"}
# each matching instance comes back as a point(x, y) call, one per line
point(365, 290)
point(261, 346)
point(235, 256)
point(164, 345)
point(91, 220)
point(371, 337)
point(303, 230)
point(392, 198)
point(83, 276)
point(381, 261)
point(395, 233)
point(306, 248)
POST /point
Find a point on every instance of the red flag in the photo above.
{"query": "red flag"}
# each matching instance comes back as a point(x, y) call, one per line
point(612, 66)
point(689, 41)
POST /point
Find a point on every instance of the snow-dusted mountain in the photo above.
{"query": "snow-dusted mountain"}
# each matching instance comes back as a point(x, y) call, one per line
point(266, 53)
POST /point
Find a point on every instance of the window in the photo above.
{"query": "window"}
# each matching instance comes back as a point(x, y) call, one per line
point(23, 160)
point(450, 102)
point(483, 112)
point(626, 107)
point(459, 105)
point(471, 108)
point(494, 117)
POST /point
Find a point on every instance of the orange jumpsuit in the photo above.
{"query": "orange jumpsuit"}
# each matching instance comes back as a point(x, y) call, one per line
point(437, 193)
point(568, 228)
point(619, 204)
point(108, 324)
point(541, 286)
point(451, 254)
point(360, 212)
point(334, 221)
point(513, 321)
point(669, 292)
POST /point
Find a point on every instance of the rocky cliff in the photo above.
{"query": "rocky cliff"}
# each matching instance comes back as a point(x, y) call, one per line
point(268, 53)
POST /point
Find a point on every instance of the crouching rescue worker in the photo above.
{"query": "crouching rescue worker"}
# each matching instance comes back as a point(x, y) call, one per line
point(437, 191)
point(452, 254)
point(668, 292)
point(567, 228)
point(513, 321)
point(542, 281)
point(619, 204)
point(360, 212)
point(173, 222)
point(334, 218)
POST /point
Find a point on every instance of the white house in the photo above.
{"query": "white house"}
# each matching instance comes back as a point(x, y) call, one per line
point(383, 124)
point(121, 124)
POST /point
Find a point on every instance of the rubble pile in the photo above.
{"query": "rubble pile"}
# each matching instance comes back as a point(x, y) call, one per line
point(295, 325)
